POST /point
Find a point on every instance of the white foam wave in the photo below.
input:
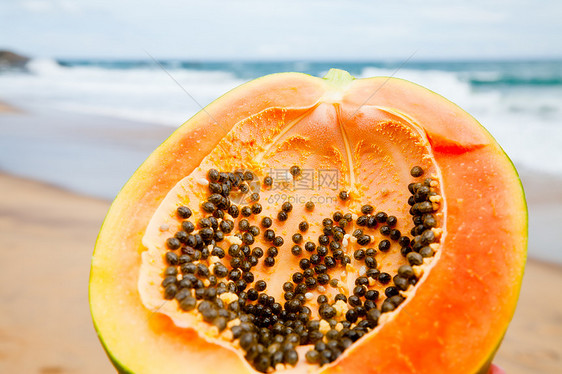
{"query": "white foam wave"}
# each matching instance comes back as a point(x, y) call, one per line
point(140, 94)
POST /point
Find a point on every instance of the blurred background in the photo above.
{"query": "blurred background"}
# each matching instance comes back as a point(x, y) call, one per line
point(89, 88)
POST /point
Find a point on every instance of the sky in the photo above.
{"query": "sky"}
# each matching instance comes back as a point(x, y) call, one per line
point(285, 29)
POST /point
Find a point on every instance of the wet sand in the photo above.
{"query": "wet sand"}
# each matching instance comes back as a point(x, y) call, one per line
point(46, 241)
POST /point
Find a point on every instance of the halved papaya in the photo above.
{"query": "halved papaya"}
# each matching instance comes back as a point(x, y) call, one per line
point(304, 224)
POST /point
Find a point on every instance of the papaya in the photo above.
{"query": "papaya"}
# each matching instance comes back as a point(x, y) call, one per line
point(306, 224)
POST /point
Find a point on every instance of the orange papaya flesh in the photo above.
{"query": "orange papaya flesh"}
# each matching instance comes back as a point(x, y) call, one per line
point(370, 132)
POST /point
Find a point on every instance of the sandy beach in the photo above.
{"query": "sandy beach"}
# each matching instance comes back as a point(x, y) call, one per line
point(46, 241)
point(47, 236)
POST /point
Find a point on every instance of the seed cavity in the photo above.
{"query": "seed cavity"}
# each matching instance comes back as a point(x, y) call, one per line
point(335, 296)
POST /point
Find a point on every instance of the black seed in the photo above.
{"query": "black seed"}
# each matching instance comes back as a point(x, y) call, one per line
point(170, 291)
point(312, 356)
point(268, 181)
point(202, 271)
point(429, 221)
point(234, 274)
point(337, 216)
point(315, 259)
point(213, 175)
point(416, 171)
point(188, 303)
point(256, 208)
point(362, 220)
point(405, 250)
point(310, 282)
point(384, 278)
point(240, 286)
point(343, 195)
point(173, 243)
point(233, 211)
point(391, 291)
point(354, 300)
point(171, 270)
point(188, 268)
point(282, 216)
point(309, 205)
point(351, 316)
point(183, 212)
point(406, 271)
point(252, 294)
point(372, 273)
point(297, 238)
point(171, 279)
point(384, 245)
point(364, 240)
point(391, 221)
point(266, 222)
point(334, 246)
point(359, 291)
point(295, 170)
point(298, 277)
point(296, 250)
point(181, 236)
point(246, 211)
point(278, 241)
point(381, 217)
point(329, 262)
point(401, 282)
point(327, 311)
point(362, 281)
point(423, 207)
point(372, 295)
point(373, 316)
point(320, 269)
point(357, 233)
point(387, 306)
point(247, 238)
point(340, 296)
point(385, 230)
point(220, 270)
point(323, 279)
point(426, 251)
point(248, 277)
point(427, 237)
point(322, 250)
point(203, 223)
point(269, 235)
point(269, 261)
point(414, 258)
point(272, 251)
point(247, 340)
point(290, 357)
point(303, 226)
point(338, 254)
point(171, 258)
point(287, 207)
point(208, 207)
point(187, 226)
point(370, 262)
point(343, 223)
